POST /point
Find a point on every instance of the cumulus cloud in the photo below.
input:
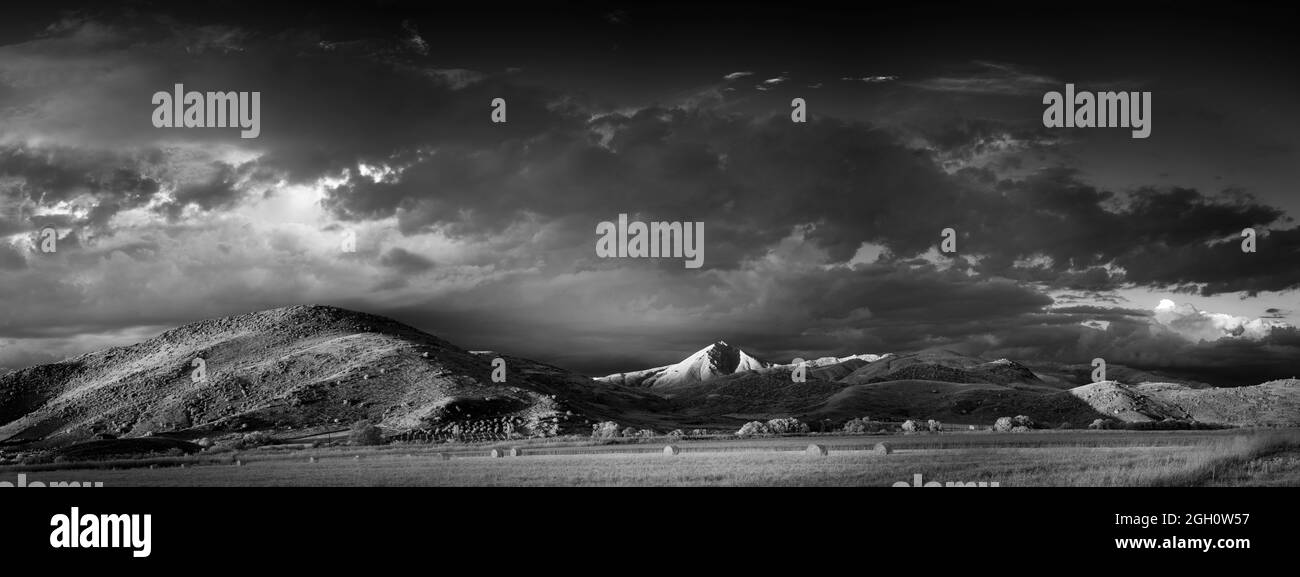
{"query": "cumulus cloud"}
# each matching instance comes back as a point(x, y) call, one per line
point(1197, 325)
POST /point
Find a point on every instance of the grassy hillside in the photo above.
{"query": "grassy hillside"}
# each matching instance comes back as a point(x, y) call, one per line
point(298, 367)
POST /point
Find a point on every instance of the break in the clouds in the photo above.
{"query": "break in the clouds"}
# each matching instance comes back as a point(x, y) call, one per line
point(991, 78)
point(870, 79)
point(822, 237)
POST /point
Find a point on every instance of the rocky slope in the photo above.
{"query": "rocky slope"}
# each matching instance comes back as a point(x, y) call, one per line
point(1275, 403)
point(296, 368)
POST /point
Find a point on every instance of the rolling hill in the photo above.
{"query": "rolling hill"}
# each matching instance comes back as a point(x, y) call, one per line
point(300, 367)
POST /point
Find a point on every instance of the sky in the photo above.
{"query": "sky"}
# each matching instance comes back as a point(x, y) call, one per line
point(822, 237)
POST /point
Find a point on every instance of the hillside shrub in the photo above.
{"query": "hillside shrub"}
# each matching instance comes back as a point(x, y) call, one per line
point(910, 426)
point(365, 433)
point(254, 439)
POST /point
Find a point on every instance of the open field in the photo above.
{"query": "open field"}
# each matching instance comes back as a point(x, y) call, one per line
point(1100, 458)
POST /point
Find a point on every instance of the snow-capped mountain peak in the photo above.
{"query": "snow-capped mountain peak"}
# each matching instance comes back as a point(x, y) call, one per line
point(716, 360)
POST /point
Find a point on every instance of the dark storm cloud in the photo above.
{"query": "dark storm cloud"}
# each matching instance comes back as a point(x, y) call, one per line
point(404, 261)
point(1275, 313)
point(1221, 267)
point(750, 180)
point(219, 190)
point(910, 295)
point(332, 106)
point(325, 105)
point(114, 181)
point(1159, 237)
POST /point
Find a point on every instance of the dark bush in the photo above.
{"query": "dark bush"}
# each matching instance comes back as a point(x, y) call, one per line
point(365, 433)
point(254, 440)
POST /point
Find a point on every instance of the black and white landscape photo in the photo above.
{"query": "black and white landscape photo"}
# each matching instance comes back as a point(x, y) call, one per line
point(388, 243)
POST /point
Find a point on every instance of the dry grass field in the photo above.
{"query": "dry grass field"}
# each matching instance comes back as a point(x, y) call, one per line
point(1035, 459)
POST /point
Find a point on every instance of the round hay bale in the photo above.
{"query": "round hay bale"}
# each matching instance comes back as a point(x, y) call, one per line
point(671, 450)
point(818, 450)
point(515, 452)
point(883, 449)
point(498, 453)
